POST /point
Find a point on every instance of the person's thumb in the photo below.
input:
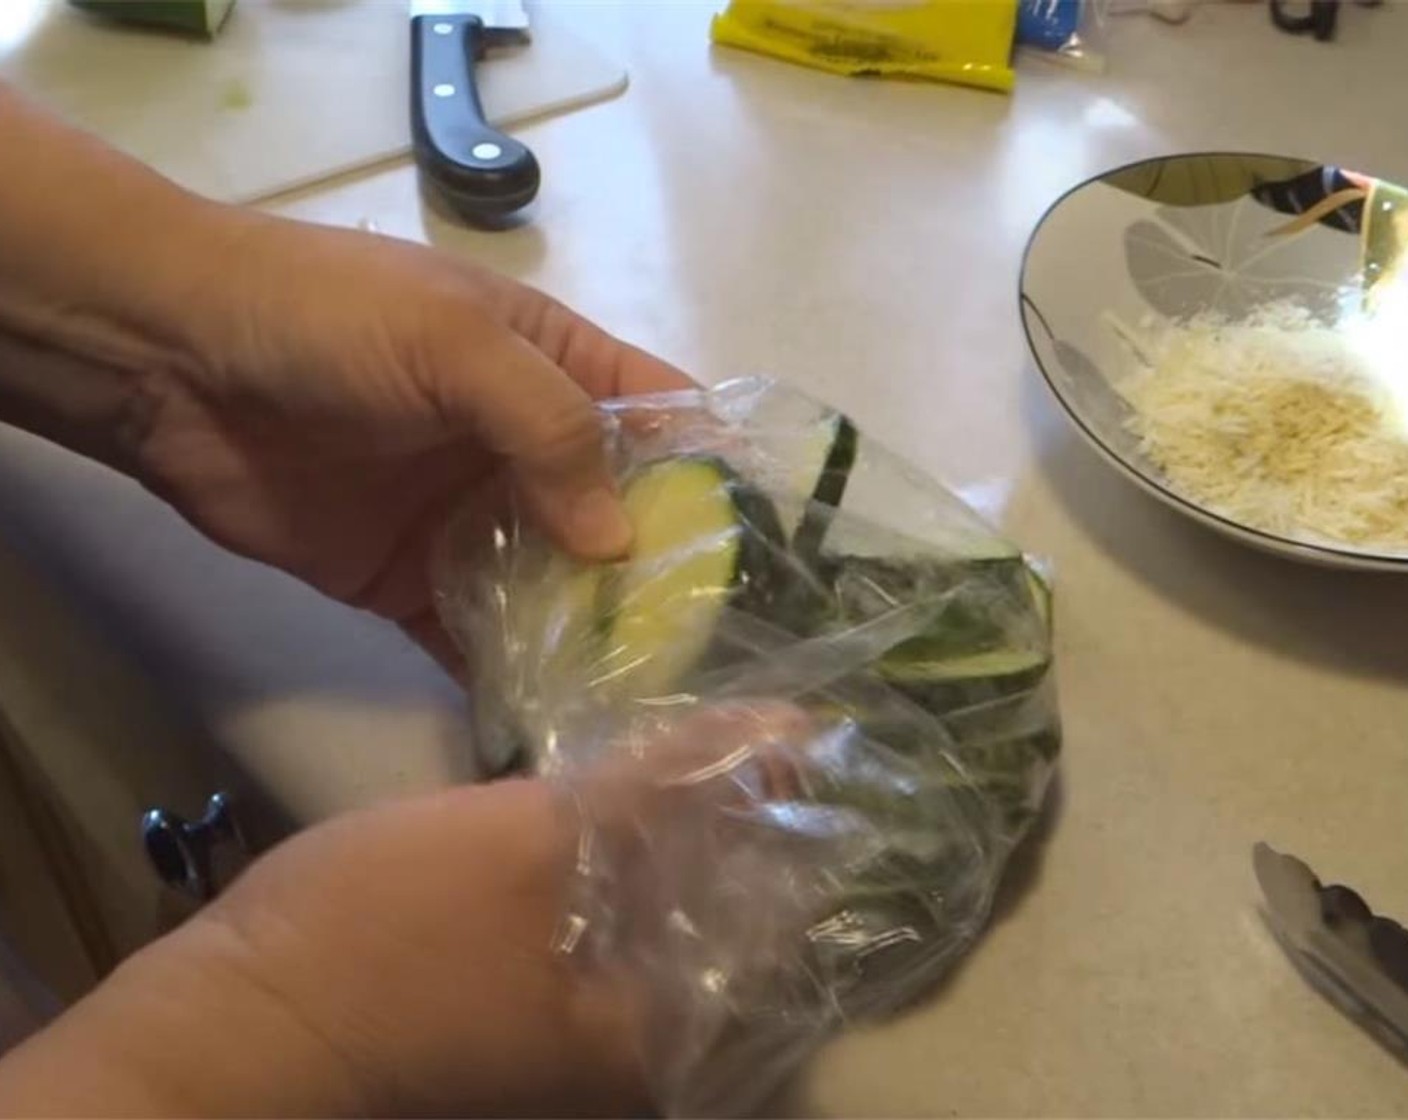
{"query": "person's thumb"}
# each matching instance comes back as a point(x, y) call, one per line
point(526, 410)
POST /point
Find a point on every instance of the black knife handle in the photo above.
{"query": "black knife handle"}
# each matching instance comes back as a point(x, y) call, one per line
point(482, 172)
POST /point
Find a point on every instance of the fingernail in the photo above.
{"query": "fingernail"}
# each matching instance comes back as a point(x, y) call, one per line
point(601, 524)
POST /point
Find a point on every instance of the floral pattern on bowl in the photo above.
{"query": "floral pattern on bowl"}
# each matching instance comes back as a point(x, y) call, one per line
point(1177, 235)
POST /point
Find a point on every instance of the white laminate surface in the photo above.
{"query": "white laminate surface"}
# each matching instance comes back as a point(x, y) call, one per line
point(863, 239)
point(287, 94)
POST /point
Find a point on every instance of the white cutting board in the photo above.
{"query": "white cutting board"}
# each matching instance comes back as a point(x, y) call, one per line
point(290, 92)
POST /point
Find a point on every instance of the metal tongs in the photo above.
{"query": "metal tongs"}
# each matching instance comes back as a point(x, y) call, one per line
point(1356, 958)
point(1319, 20)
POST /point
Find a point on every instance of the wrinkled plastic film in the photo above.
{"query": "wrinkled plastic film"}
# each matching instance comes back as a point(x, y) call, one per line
point(798, 797)
point(1070, 32)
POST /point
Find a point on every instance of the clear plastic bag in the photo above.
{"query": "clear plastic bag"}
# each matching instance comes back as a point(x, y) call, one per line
point(834, 680)
point(1070, 32)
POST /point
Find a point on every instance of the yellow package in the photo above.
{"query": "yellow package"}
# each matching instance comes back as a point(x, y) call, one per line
point(967, 41)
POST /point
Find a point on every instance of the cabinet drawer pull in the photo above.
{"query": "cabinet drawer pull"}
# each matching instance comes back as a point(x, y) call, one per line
point(182, 852)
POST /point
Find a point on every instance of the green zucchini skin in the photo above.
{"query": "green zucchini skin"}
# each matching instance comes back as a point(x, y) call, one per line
point(987, 655)
point(763, 569)
point(987, 608)
point(828, 493)
point(194, 17)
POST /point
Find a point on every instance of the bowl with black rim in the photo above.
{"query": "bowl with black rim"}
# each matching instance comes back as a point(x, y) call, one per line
point(1153, 246)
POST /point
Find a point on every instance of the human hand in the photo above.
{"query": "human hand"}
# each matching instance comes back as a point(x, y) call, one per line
point(395, 961)
point(313, 398)
point(413, 945)
point(401, 960)
point(347, 390)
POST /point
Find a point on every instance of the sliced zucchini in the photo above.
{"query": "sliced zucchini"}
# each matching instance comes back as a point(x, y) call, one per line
point(1041, 595)
point(990, 638)
point(965, 667)
point(984, 604)
point(827, 493)
point(952, 690)
point(705, 541)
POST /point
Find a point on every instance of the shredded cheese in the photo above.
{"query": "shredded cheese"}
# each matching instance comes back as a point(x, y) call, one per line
point(1277, 421)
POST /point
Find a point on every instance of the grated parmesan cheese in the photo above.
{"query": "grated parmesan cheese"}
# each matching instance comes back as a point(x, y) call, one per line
point(1278, 421)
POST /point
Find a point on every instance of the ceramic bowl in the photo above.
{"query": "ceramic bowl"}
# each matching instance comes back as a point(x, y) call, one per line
point(1210, 231)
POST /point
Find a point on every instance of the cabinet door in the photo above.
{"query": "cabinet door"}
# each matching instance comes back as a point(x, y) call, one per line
point(50, 946)
point(24, 1005)
point(89, 746)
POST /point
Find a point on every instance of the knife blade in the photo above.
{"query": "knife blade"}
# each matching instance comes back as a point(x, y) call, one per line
point(1354, 957)
point(482, 173)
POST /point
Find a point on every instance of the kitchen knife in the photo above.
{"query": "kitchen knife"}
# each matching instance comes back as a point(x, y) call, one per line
point(481, 173)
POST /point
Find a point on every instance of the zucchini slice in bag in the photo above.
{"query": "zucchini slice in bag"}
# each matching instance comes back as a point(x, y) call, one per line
point(827, 493)
point(705, 542)
point(991, 636)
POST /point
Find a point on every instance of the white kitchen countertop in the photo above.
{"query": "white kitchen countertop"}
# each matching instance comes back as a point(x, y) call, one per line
point(863, 239)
